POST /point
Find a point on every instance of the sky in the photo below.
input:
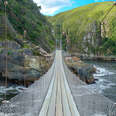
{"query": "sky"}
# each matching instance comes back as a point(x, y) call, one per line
point(53, 7)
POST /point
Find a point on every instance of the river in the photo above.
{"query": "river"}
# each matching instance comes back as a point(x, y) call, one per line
point(105, 82)
point(105, 78)
point(10, 92)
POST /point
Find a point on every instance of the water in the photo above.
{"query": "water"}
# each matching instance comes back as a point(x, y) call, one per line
point(10, 92)
point(105, 79)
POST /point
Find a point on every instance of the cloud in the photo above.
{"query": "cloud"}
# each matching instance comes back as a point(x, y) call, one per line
point(49, 7)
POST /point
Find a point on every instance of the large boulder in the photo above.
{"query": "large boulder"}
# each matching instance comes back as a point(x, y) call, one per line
point(21, 68)
point(18, 72)
point(31, 75)
point(25, 74)
point(14, 59)
point(21, 63)
point(84, 71)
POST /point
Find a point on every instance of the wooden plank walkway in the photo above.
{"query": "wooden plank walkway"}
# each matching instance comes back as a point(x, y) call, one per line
point(59, 100)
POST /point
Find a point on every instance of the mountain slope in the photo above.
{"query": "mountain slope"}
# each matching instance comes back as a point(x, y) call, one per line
point(25, 15)
point(85, 29)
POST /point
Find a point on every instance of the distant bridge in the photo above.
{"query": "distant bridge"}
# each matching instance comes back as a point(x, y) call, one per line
point(59, 93)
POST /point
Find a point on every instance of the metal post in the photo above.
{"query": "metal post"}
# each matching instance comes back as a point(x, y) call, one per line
point(61, 43)
point(54, 36)
point(60, 37)
point(6, 72)
point(25, 33)
point(6, 48)
point(56, 44)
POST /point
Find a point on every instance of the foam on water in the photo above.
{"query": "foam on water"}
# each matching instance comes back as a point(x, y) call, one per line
point(99, 114)
point(102, 82)
point(3, 89)
point(102, 71)
point(4, 114)
point(10, 90)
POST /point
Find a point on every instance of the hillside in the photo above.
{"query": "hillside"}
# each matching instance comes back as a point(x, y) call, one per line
point(25, 41)
point(25, 15)
point(86, 31)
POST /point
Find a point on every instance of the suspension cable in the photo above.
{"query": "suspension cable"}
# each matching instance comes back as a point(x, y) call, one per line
point(108, 12)
point(6, 47)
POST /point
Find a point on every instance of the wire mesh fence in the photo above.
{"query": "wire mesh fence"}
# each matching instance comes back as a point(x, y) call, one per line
point(29, 102)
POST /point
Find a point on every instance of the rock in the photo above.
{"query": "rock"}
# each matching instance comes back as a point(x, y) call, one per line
point(31, 75)
point(75, 59)
point(19, 41)
point(25, 74)
point(10, 45)
point(17, 69)
point(17, 59)
point(84, 71)
point(21, 63)
point(14, 59)
point(98, 58)
point(33, 62)
point(27, 52)
point(38, 63)
point(21, 68)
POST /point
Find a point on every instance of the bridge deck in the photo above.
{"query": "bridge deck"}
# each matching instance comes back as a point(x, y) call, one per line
point(59, 93)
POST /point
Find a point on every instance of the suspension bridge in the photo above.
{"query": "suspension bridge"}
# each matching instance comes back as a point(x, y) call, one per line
point(58, 93)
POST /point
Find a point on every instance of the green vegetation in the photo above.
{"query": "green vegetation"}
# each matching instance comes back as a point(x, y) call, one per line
point(83, 29)
point(25, 15)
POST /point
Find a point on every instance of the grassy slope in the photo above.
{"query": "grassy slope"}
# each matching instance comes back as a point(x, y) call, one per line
point(76, 21)
point(25, 15)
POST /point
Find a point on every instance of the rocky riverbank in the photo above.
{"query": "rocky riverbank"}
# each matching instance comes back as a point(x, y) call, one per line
point(94, 57)
point(82, 70)
point(23, 65)
point(99, 58)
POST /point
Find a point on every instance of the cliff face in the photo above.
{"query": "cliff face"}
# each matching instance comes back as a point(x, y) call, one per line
point(86, 31)
point(29, 38)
